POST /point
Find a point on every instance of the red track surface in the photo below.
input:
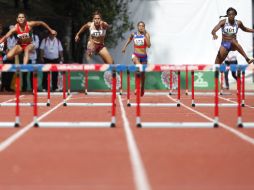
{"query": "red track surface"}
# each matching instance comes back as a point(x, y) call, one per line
point(104, 158)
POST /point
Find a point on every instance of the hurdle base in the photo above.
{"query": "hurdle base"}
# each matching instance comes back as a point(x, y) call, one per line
point(215, 125)
point(240, 125)
point(64, 104)
point(243, 105)
point(112, 125)
point(193, 105)
point(139, 125)
point(16, 125)
point(36, 125)
point(48, 104)
point(129, 104)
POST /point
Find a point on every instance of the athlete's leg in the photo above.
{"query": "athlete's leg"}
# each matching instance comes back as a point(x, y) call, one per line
point(221, 56)
point(27, 50)
point(239, 48)
point(105, 55)
point(16, 50)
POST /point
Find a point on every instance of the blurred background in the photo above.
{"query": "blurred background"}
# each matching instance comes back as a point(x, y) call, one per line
point(180, 29)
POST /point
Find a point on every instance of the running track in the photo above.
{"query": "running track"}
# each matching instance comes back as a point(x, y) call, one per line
point(127, 157)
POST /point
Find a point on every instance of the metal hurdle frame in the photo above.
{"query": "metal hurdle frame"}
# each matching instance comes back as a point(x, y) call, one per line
point(177, 104)
point(174, 124)
point(193, 104)
point(13, 68)
point(79, 67)
point(240, 100)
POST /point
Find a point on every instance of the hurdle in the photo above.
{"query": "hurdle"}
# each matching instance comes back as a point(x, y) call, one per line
point(87, 124)
point(16, 123)
point(140, 124)
point(194, 104)
point(240, 95)
point(177, 104)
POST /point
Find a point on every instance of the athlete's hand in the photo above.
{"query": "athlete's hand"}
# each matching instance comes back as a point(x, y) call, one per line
point(77, 38)
point(215, 37)
point(53, 32)
point(123, 50)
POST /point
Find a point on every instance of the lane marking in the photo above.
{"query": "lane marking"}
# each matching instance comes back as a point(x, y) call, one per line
point(140, 177)
point(230, 129)
point(236, 102)
point(10, 140)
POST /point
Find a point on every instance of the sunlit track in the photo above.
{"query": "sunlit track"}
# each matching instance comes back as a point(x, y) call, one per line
point(10, 140)
point(230, 129)
point(140, 176)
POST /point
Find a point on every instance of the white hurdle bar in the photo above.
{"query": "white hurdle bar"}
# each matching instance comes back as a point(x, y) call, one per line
point(27, 104)
point(88, 104)
point(156, 104)
point(212, 105)
point(75, 124)
point(177, 124)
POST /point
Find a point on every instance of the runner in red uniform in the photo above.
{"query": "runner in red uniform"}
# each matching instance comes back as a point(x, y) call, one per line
point(24, 37)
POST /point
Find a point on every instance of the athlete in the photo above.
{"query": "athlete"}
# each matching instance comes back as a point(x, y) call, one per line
point(229, 27)
point(23, 32)
point(141, 40)
point(95, 45)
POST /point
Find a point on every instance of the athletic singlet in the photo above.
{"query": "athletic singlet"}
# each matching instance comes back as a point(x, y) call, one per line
point(139, 40)
point(95, 33)
point(24, 37)
point(228, 29)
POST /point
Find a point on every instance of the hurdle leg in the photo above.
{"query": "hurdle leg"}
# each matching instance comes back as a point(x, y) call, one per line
point(192, 89)
point(179, 89)
point(243, 88)
point(128, 88)
point(138, 120)
point(186, 81)
point(113, 120)
point(121, 82)
point(49, 82)
point(17, 118)
point(35, 81)
point(239, 107)
point(69, 83)
point(64, 89)
point(216, 98)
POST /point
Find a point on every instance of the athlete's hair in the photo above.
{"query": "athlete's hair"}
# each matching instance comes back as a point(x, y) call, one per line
point(97, 13)
point(141, 22)
point(229, 9)
point(22, 14)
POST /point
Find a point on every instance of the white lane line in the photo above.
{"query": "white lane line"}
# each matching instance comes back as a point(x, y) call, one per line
point(140, 177)
point(236, 102)
point(13, 99)
point(232, 130)
point(10, 140)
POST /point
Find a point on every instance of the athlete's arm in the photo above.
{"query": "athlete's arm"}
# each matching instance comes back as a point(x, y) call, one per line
point(82, 29)
point(105, 25)
point(41, 23)
point(7, 35)
point(245, 29)
point(147, 38)
point(127, 43)
point(217, 27)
